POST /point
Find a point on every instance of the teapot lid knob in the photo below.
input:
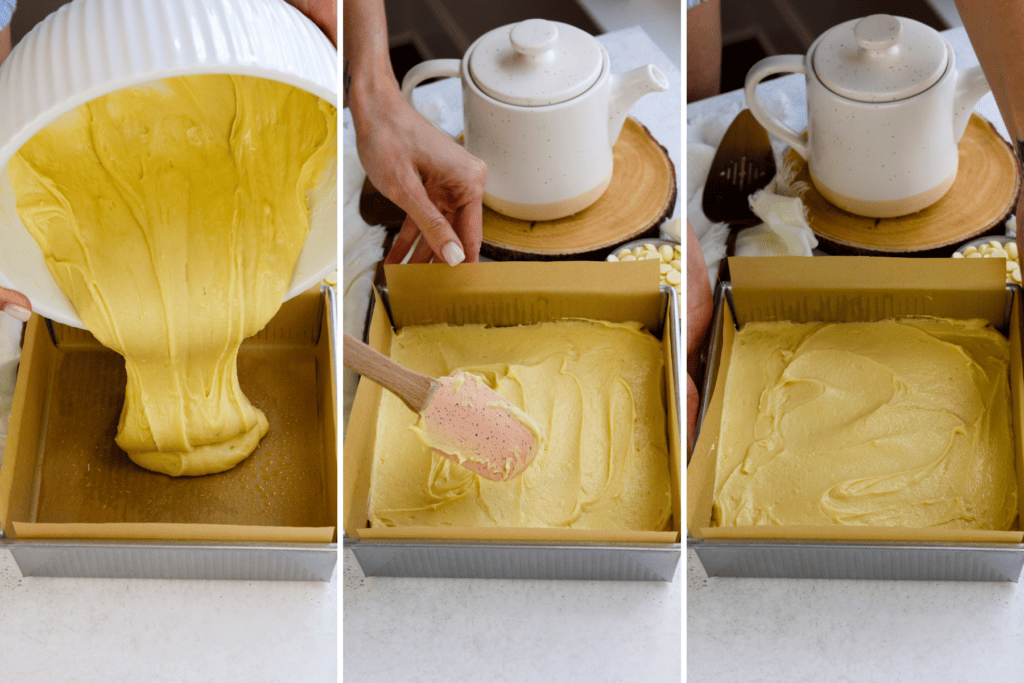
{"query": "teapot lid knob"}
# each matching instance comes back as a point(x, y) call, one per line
point(878, 32)
point(536, 63)
point(880, 58)
point(534, 36)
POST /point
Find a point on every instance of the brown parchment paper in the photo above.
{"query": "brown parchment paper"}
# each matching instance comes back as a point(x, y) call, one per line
point(81, 485)
point(846, 289)
point(498, 294)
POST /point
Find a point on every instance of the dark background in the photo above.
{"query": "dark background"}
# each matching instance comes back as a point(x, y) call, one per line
point(754, 29)
point(419, 30)
point(751, 29)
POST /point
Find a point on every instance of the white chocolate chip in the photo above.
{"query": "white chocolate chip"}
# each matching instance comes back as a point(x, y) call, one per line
point(669, 259)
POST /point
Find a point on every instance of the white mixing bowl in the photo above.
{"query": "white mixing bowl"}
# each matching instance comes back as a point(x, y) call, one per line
point(93, 47)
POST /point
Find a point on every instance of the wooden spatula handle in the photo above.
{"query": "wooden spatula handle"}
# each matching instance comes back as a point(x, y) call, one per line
point(412, 387)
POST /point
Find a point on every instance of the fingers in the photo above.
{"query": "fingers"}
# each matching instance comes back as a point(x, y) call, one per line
point(437, 183)
point(423, 253)
point(692, 406)
point(15, 304)
point(412, 197)
point(469, 226)
point(403, 242)
point(323, 13)
point(406, 239)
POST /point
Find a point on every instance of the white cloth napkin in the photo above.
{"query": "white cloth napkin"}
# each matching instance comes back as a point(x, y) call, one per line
point(363, 248)
point(10, 356)
point(785, 229)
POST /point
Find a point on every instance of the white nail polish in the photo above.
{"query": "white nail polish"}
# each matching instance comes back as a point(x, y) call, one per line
point(16, 311)
point(453, 253)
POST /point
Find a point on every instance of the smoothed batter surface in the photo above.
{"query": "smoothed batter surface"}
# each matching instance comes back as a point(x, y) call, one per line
point(172, 214)
point(893, 423)
point(597, 391)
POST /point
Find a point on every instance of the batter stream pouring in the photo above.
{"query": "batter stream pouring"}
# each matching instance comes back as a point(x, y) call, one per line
point(172, 216)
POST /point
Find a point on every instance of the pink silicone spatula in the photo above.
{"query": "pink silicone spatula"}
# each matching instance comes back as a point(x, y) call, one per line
point(460, 417)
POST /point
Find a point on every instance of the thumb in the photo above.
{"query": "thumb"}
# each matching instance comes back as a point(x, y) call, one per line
point(15, 304)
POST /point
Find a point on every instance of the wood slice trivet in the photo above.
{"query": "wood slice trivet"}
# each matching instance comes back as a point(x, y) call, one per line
point(983, 195)
point(640, 196)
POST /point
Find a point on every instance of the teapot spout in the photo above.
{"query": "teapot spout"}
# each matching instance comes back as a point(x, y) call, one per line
point(971, 86)
point(626, 89)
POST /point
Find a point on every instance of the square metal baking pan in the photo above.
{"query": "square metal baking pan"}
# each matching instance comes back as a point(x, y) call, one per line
point(536, 559)
point(250, 561)
point(830, 559)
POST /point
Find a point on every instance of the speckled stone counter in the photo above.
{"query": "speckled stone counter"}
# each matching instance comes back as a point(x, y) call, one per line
point(787, 630)
point(444, 630)
point(105, 630)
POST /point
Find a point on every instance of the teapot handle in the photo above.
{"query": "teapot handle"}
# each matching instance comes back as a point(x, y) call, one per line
point(434, 68)
point(766, 67)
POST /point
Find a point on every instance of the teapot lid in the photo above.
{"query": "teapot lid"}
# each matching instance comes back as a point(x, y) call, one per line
point(536, 63)
point(880, 58)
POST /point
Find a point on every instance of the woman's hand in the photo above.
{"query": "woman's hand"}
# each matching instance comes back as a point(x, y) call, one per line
point(323, 13)
point(5, 43)
point(14, 304)
point(699, 306)
point(438, 184)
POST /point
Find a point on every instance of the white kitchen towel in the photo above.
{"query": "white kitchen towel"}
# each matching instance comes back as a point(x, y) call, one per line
point(704, 133)
point(362, 250)
point(10, 356)
point(784, 232)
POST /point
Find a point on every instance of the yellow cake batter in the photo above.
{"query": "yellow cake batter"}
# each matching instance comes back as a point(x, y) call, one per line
point(172, 215)
point(882, 424)
point(596, 390)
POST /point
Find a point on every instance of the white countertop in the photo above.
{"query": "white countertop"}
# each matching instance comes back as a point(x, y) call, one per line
point(446, 630)
point(107, 630)
point(836, 630)
point(495, 630)
point(786, 630)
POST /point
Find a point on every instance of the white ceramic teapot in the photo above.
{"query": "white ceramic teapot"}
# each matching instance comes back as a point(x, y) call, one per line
point(542, 110)
point(886, 109)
